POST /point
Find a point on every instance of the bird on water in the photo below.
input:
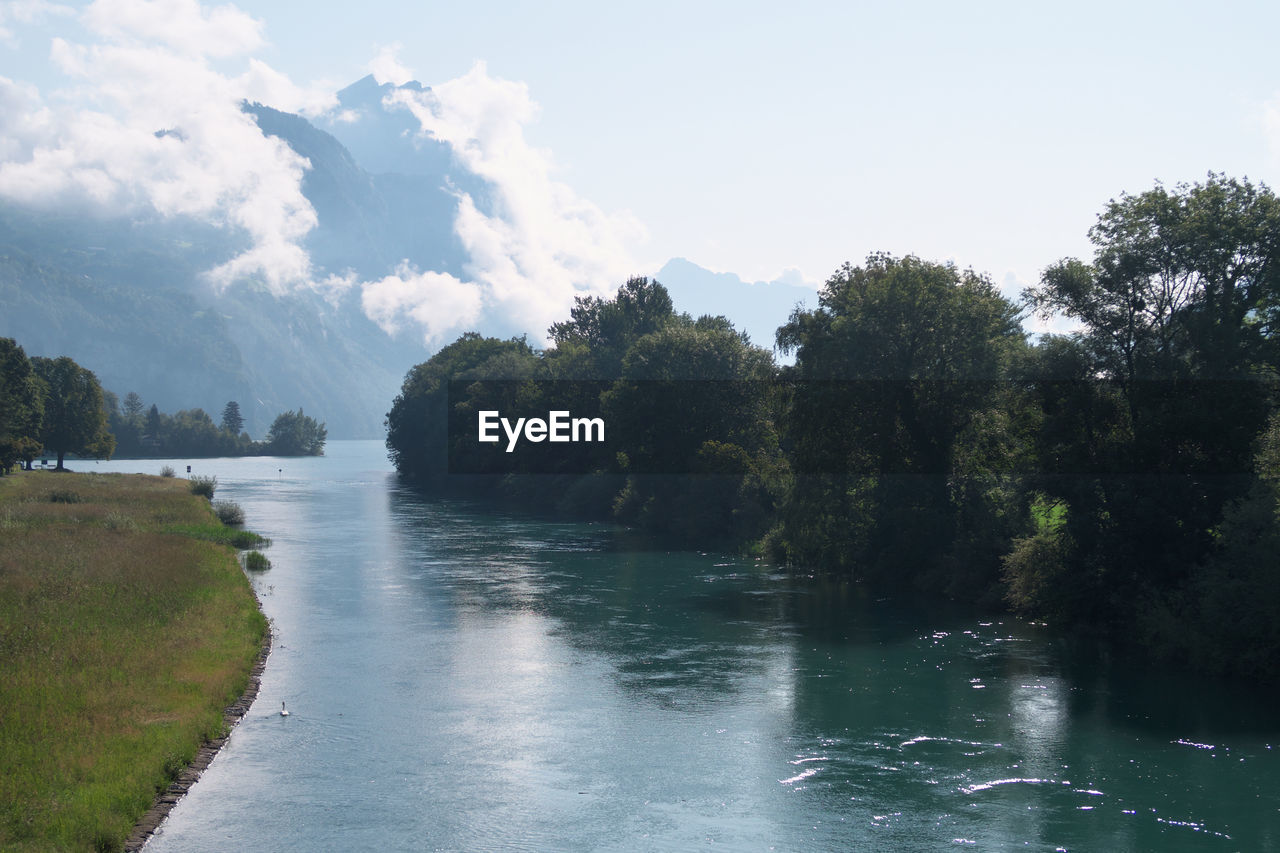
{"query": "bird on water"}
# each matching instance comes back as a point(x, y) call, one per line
point(284, 712)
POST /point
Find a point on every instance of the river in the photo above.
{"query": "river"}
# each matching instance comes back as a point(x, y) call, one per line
point(464, 679)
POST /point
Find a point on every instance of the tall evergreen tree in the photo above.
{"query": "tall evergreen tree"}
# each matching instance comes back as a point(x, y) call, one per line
point(232, 422)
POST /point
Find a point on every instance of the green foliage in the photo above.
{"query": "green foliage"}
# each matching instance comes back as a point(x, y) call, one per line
point(75, 418)
point(192, 433)
point(1152, 422)
point(21, 407)
point(295, 434)
point(228, 512)
point(256, 561)
point(132, 406)
point(204, 486)
point(1042, 579)
point(417, 425)
point(64, 496)
point(605, 329)
point(220, 534)
point(900, 360)
point(232, 420)
point(643, 357)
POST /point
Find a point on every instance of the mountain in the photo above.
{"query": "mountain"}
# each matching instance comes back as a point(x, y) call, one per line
point(758, 308)
point(127, 299)
point(126, 296)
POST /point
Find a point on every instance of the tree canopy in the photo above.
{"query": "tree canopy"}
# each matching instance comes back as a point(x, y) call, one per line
point(296, 434)
point(75, 418)
point(21, 406)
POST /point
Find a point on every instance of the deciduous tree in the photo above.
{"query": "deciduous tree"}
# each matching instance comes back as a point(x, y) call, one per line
point(75, 419)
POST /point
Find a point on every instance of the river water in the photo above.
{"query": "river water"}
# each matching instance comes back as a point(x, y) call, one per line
point(464, 679)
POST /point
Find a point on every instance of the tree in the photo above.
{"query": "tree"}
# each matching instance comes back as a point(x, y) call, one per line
point(21, 406)
point(133, 406)
point(895, 364)
point(232, 422)
point(75, 418)
point(608, 327)
point(295, 434)
point(417, 425)
point(695, 400)
point(155, 422)
point(1174, 372)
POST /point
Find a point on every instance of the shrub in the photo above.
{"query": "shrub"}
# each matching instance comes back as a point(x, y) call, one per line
point(64, 496)
point(229, 512)
point(204, 486)
point(118, 521)
point(256, 561)
point(166, 471)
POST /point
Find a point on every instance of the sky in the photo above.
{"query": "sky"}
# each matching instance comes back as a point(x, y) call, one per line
point(742, 136)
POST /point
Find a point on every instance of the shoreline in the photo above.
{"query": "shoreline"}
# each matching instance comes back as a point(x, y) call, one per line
point(164, 802)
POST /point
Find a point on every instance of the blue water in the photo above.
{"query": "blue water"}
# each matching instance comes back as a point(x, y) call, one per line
point(464, 679)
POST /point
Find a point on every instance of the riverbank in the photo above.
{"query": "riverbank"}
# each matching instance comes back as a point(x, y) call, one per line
point(127, 643)
point(169, 797)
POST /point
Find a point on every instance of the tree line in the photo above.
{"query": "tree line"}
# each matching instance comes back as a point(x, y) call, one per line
point(1122, 479)
point(55, 406)
point(143, 432)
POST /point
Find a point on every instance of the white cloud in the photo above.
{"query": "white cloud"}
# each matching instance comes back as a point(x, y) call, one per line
point(387, 68)
point(542, 244)
point(27, 12)
point(182, 25)
point(437, 302)
point(152, 123)
point(148, 71)
point(794, 277)
point(265, 85)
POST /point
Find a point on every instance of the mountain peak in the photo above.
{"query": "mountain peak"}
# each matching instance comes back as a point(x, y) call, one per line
point(367, 91)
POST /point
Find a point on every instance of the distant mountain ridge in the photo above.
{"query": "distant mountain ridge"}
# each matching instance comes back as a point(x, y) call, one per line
point(127, 298)
point(758, 308)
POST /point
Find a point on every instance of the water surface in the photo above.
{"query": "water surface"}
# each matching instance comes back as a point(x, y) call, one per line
point(463, 679)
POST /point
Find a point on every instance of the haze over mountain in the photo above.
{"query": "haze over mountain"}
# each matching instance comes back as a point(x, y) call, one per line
point(422, 229)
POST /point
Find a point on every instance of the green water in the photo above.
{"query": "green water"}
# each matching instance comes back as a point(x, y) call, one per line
point(460, 679)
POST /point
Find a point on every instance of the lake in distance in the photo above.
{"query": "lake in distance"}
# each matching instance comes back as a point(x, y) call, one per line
point(460, 678)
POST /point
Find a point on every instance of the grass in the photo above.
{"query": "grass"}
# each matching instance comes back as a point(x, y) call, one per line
point(219, 533)
point(124, 633)
point(256, 561)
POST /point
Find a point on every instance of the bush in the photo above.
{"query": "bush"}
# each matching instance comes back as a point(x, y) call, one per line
point(204, 486)
point(119, 522)
point(64, 496)
point(229, 512)
point(256, 561)
point(166, 471)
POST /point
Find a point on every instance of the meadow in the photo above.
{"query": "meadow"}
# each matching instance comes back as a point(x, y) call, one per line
point(126, 628)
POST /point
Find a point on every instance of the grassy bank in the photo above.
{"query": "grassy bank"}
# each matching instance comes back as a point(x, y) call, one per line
point(124, 633)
